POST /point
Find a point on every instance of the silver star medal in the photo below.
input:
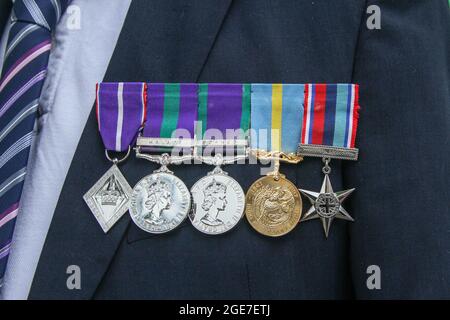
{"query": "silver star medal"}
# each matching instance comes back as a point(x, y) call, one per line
point(327, 204)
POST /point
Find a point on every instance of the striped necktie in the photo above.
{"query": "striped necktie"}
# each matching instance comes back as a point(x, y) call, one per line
point(23, 73)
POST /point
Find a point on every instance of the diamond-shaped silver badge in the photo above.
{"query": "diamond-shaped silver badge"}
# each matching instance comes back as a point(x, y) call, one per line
point(108, 198)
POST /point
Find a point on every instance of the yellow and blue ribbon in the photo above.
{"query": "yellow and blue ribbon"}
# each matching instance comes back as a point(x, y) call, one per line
point(276, 116)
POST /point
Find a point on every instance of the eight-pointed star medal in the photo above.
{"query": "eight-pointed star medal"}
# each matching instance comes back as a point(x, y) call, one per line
point(327, 204)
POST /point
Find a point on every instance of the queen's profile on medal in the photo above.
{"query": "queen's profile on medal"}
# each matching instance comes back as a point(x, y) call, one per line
point(159, 198)
point(218, 204)
point(159, 202)
point(214, 202)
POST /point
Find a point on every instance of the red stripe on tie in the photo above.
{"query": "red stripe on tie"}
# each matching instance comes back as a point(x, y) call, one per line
point(9, 214)
point(9, 210)
point(319, 113)
point(305, 112)
point(355, 115)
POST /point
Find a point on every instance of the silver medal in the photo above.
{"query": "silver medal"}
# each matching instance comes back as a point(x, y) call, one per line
point(108, 199)
point(159, 202)
point(218, 203)
point(327, 204)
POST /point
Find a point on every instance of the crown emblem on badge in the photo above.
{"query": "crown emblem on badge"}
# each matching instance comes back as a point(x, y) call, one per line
point(215, 187)
point(157, 187)
point(110, 196)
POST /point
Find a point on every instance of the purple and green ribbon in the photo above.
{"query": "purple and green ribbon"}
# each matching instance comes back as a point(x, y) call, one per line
point(224, 106)
point(171, 106)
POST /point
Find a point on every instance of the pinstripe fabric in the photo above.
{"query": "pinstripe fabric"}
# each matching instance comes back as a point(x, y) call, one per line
point(23, 73)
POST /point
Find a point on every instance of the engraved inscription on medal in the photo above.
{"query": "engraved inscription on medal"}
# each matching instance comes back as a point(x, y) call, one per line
point(108, 198)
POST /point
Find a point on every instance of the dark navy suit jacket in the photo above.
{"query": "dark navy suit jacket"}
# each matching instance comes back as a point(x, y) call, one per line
point(5, 9)
point(401, 202)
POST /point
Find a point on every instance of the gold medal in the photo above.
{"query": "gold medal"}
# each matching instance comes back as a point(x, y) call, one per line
point(273, 206)
point(273, 203)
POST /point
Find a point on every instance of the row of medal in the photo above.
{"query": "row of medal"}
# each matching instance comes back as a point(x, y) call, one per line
point(218, 124)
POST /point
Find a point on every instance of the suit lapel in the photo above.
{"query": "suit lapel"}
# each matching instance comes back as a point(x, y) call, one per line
point(165, 41)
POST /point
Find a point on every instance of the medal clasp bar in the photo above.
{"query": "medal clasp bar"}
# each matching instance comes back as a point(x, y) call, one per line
point(239, 149)
point(164, 159)
point(164, 142)
point(332, 152)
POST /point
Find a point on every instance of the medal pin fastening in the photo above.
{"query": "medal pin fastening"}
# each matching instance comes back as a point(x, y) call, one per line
point(164, 159)
point(326, 168)
point(277, 157)
point(115, 160)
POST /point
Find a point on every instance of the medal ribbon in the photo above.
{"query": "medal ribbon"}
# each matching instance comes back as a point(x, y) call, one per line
point(121, 111)
point(224, 106)
point(171, 106)
point(276, 116)
point(330, 115)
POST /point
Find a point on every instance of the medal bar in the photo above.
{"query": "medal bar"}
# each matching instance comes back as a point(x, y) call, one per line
point(187, 123)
